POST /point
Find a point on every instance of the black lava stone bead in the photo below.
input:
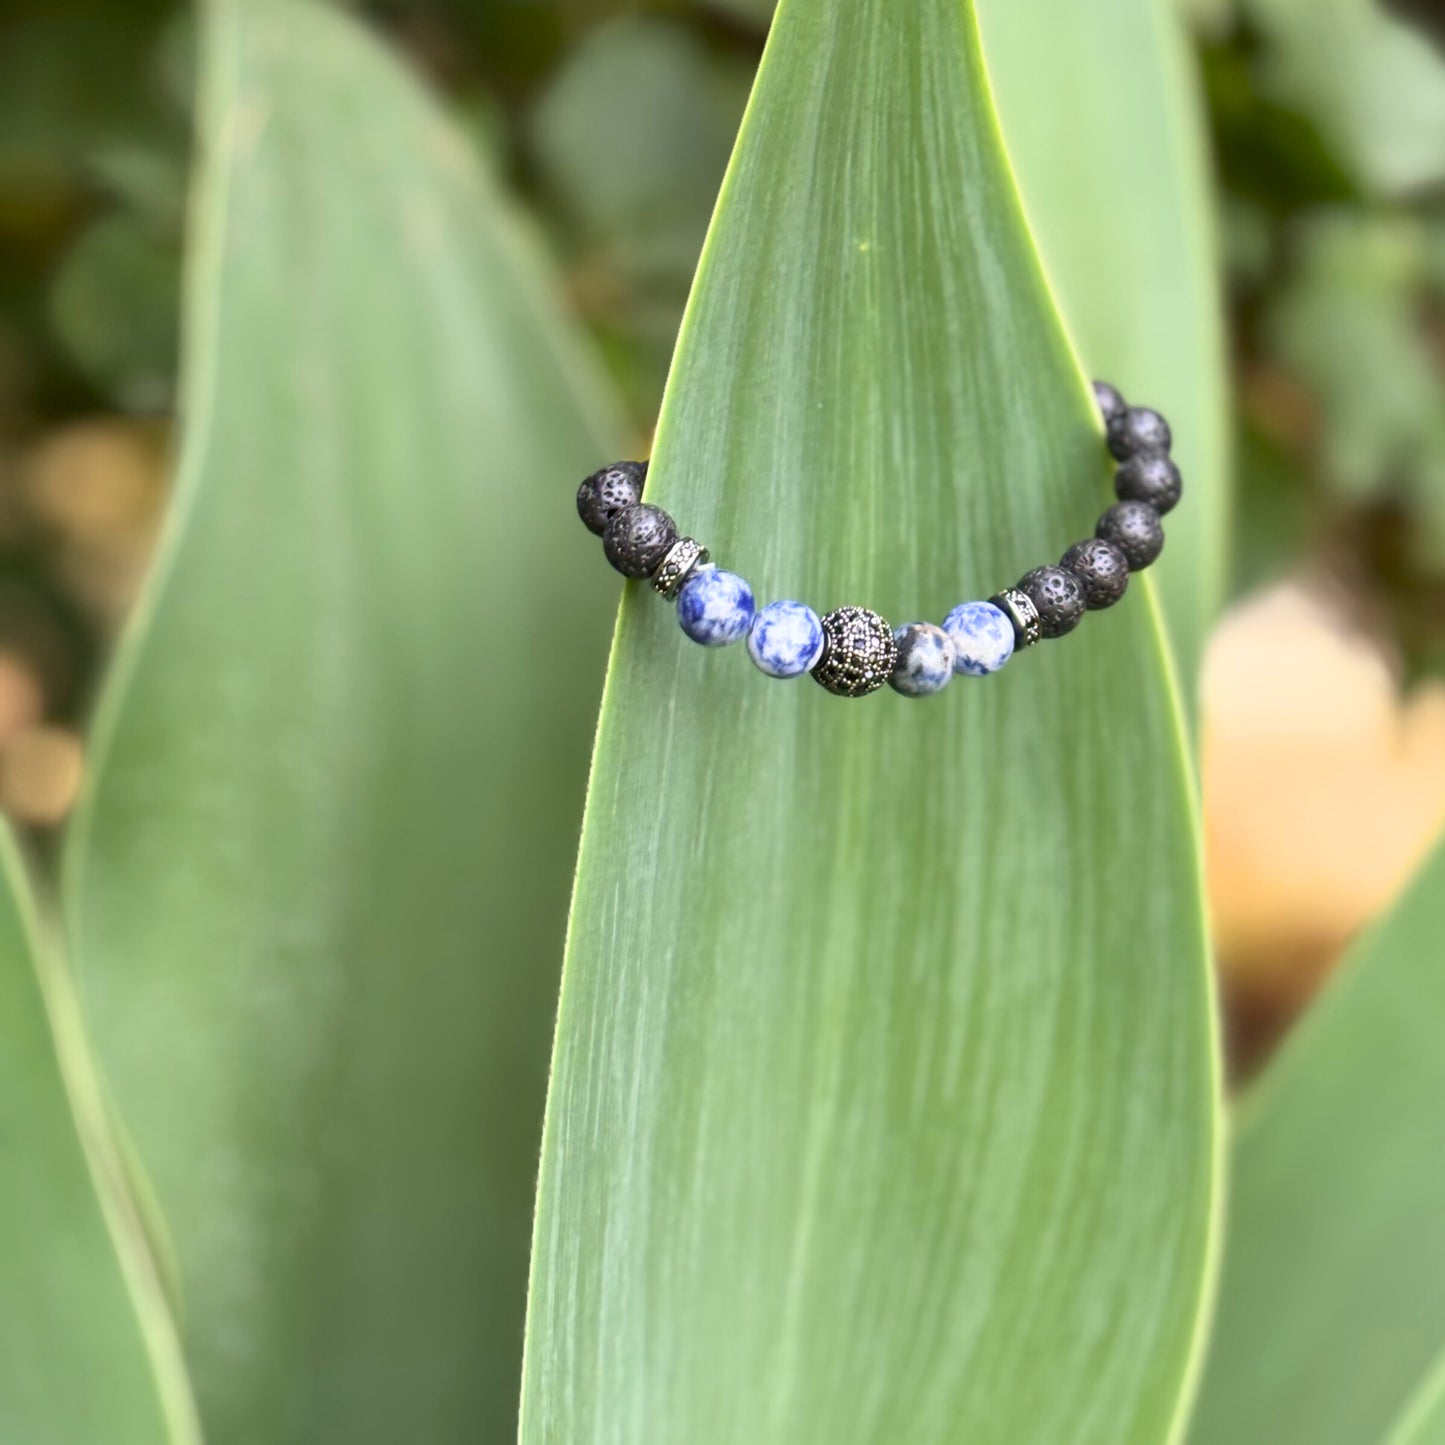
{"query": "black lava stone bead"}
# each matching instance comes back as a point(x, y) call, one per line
point(1111, 403)
point(607, 492)
point(638, 538)
point(1149, 477)
point(1059, 597)
point(1101, 568)
point(1138, 429)
point(1135, 529)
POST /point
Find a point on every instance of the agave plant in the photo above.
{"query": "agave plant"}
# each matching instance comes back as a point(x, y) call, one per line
point(884, 1102)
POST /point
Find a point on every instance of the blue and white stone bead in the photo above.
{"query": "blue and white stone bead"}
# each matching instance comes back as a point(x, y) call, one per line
point(925, 659)
point(715, 607)
point(982, 637)
point(786, 639)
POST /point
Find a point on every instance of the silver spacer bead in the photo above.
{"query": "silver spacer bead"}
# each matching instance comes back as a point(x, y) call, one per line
point(1019, 607)
point(859, 652)
point(677, 566)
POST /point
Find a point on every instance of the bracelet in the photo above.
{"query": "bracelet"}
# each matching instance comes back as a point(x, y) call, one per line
point(852, 651)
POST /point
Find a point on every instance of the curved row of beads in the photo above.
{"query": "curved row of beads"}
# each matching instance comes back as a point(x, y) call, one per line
point(852, 651)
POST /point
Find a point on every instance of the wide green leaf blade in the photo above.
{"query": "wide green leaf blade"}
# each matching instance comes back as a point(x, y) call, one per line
point(883, 1098)
point(1332, 1300)
point(1423, 1421)
point(1102, 121)
point(88, 1351)
point(317, 888)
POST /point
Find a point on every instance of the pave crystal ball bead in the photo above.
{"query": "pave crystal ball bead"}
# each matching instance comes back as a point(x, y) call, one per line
point(786, 639)
point(608, 491)
point(859, 653)
point(925, 660)
point(715, 608)
point(982, 636)
point(638, 538)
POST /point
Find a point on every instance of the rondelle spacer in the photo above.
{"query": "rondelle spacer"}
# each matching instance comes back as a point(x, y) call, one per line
point(1019, 606)
point(677, 566)
point(859, 652)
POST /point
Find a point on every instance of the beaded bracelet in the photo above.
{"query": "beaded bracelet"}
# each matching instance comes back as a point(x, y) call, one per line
point(852, 651)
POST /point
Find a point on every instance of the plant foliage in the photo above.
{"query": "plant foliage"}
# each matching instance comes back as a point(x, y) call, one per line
point(316, 886)
point(883, 1102)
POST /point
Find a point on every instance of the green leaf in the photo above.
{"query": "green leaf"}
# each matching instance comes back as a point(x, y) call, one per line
point(1111, 160)
point(883, 1099)
point(317, 887)
point(87, 1347)
point(1423, 1422)
point(1332, 1304)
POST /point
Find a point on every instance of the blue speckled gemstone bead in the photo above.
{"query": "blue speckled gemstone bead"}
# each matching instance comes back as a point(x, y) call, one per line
point(925, 659)
point(785, 639)
point(715, 607)
point(982, 637)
